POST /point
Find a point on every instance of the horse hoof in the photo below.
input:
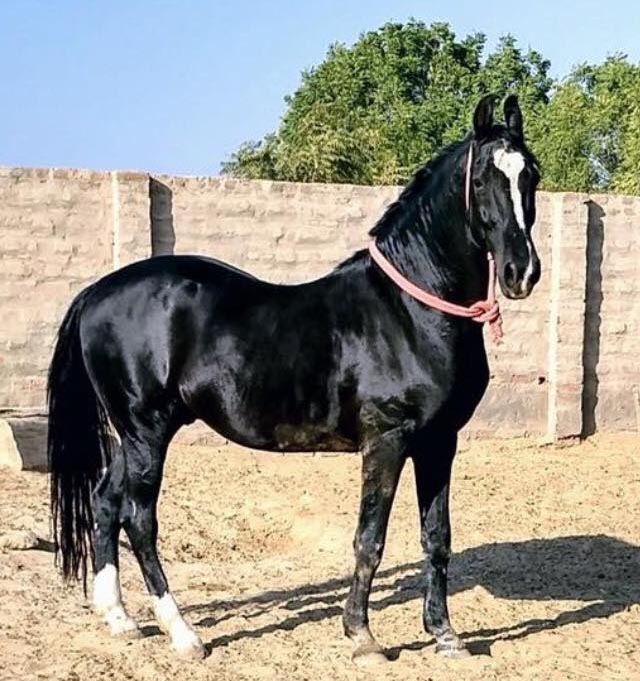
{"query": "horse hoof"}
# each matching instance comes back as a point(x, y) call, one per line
point(369, 657)
point(195, 652)
point(453, 651)
point(132, 634)
point(191, 648)
point(122, 626)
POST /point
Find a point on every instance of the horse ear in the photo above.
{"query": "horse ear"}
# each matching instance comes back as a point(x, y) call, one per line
point(513, 117)
point(483, 116)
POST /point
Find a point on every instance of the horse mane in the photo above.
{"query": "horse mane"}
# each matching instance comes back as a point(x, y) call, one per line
point(428, 184)
point(424, 178)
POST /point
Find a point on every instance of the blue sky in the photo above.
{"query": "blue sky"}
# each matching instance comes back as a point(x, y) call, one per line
point(175, 86)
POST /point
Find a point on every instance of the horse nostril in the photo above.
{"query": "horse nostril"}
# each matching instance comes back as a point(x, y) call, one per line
point(510, 274)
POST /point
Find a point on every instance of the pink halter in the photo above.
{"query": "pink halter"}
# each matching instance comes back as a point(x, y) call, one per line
point(483, 311)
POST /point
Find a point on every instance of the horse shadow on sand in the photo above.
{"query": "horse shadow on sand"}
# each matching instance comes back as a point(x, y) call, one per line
point(601, 571)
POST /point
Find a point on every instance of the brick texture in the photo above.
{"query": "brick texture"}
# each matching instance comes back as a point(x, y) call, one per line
point(568, 363)
point(612, 343)
point(55, 239)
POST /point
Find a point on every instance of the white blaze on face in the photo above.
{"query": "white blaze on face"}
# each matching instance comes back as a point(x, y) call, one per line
point(511, 164)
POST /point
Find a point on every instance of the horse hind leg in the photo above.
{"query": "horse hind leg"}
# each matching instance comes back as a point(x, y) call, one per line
point(145, 454)
point(107, 596)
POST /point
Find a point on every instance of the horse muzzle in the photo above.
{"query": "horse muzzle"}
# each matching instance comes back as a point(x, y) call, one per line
point(517, 280)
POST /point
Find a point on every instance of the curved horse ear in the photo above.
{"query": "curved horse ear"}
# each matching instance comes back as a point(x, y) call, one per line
point(513, 117)
point(483, 116)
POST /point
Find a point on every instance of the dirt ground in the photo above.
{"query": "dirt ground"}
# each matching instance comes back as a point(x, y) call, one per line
point(544, 581)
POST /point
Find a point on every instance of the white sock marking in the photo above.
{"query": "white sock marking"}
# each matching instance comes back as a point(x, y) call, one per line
point(107, 600)
point(106, 589)
point(183, 638)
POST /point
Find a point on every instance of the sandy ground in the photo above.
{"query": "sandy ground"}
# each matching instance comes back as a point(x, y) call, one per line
point(545, 578)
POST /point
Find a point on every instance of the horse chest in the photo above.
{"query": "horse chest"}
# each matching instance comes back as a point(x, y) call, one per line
point(469, 386)
point(450, 384)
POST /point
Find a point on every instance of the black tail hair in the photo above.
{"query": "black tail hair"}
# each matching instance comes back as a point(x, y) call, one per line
point(77, 447)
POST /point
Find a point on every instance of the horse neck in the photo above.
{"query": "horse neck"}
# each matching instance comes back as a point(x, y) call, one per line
point(425, 236)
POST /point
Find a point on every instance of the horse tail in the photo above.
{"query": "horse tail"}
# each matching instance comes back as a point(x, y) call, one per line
point(77, 446)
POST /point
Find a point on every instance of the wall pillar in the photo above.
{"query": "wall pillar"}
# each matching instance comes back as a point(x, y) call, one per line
point(570, 218)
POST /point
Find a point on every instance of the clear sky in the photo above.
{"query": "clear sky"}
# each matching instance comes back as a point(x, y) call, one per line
point(175, 86)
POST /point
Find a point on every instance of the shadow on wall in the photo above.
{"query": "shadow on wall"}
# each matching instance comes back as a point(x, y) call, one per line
point(592, 319)
point(601, 570)
point(163, 235)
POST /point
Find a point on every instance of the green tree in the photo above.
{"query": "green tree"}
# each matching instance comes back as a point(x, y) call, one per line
point(613, 89)
point(373, 112)
point(588, 137)
point(560, 136)
point(626, 178)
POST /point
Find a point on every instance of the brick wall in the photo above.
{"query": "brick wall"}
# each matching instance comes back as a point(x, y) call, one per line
point(612, 331)
point(281, 231)
point(568, 364)
point(55, 237)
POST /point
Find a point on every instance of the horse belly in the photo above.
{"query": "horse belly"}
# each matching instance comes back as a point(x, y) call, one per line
point(276, 421)
point(283, 437)
point(291, 438)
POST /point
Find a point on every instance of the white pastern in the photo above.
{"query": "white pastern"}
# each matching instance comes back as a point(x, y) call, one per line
point(107, 600)
point(183, 638)
point(511, 164)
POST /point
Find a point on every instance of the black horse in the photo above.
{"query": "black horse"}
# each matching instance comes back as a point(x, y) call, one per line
point(348, 362)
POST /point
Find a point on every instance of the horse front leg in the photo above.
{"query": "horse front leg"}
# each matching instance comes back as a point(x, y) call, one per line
point(433, 473)
point(381, 467)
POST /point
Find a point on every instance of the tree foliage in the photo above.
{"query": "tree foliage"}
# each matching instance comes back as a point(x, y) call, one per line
point(373, 112)
point(588, 137)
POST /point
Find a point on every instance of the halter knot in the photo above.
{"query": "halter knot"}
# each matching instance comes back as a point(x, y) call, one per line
point(489, 310)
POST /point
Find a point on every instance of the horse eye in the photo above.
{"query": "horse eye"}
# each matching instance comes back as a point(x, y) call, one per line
point(477, 183)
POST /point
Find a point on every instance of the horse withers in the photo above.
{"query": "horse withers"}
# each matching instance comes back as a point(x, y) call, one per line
point(349, 362)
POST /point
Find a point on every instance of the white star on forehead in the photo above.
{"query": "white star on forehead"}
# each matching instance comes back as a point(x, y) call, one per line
point(511, 164)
